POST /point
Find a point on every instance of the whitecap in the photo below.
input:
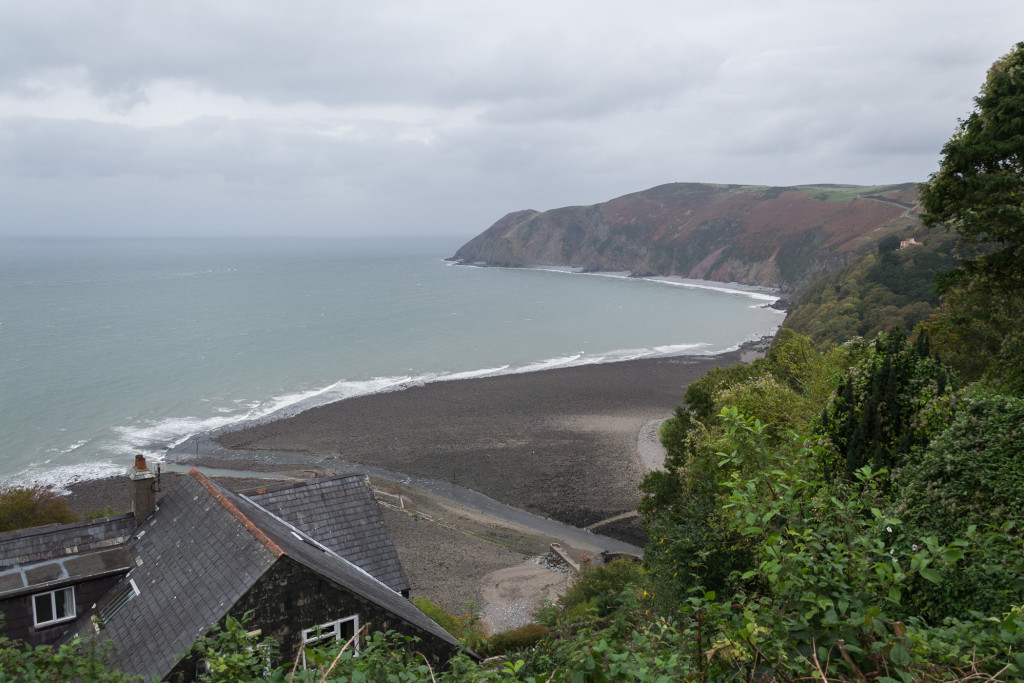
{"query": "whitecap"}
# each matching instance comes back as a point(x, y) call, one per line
point(549, 364)
point(60, 478)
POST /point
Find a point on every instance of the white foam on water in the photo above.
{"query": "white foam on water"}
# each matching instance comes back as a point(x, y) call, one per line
point(75, 446)
point(153, 438)
point(473, 374)
point(715, 287)
point(550, 363)
point(751, 291)
point(169, 432)
point(60, 478)
point(70, 449)
point(700, 348)
point(571, 270)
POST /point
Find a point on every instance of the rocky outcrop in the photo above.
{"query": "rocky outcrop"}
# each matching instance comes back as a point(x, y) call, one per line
point(768, 236)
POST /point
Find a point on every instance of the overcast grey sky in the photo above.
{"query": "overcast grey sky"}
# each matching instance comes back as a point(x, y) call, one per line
point(386, 117)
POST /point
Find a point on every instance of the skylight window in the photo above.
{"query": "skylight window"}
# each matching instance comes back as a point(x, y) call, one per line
point(119, 600)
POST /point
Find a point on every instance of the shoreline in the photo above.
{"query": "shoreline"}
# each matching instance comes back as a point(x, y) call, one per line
point(746, 350)
point(765, 291)
point(211, 453)
point(561, 443)
point(203, 444)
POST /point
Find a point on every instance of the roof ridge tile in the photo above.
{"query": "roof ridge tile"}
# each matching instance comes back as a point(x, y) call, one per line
point(236, 513)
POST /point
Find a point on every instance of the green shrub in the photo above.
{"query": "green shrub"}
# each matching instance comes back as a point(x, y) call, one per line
point(100, 513)
point(876, 417)
point(75, 661)
point(969, 483)
point(21, 507)
point(466, 627)
point(700, 395)
point(971, 473)
point(513, 641)
point(601, 587)
point(231, 654)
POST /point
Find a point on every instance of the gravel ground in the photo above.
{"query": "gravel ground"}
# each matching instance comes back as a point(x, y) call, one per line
point(560, 443)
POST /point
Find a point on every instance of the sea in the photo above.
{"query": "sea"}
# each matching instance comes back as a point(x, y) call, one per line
point(110, 347)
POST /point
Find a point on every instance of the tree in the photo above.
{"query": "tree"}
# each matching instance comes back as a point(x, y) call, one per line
point(978, 190)
point(888, 244)
point(890, 403)
point(21, 507)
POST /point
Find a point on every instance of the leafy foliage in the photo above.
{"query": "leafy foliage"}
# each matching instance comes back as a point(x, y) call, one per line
point(971, 473)
point(977, 193)
point(230, 653)
point(876, 293)
point(830, 573)
point(978, 187)
point(515, 640)
point(24, 507)
point(466, 627)
point(891, 402)
point(601, 588)
point(979, 333)
point(77, 660)
point(969, 484)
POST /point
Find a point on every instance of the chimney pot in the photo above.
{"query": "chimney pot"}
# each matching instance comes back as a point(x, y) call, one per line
point(143, 493)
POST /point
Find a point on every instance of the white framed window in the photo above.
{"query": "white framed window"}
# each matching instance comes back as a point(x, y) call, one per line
point(341, 629)
point(53, 607)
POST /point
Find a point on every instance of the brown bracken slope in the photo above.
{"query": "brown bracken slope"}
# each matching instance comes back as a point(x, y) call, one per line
point(769, 236)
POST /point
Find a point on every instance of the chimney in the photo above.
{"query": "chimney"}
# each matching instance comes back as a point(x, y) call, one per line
point(143, 490)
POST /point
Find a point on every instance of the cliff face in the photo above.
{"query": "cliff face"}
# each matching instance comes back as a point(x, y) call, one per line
point(770, 236)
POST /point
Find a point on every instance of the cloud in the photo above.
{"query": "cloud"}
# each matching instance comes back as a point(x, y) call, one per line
point(417, 116)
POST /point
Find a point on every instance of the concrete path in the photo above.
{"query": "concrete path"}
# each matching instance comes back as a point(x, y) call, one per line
point(648, 447)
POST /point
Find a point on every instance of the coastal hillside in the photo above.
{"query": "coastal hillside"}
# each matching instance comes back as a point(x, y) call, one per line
point(884, 288)
point(755, 235)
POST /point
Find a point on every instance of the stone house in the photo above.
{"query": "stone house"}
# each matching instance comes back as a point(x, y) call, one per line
point(50, 574)
point(307, 562)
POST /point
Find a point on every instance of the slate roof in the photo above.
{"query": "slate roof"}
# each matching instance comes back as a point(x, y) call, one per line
point(48, 556)
point(341, 513)
point(196, 556)
point(61, 540)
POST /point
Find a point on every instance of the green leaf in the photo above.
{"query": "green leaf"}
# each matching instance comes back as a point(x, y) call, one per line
point(899, 655)
point(952, 555)
point(932, 575)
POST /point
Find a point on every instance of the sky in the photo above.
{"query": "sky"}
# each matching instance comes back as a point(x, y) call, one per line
point(250, 117)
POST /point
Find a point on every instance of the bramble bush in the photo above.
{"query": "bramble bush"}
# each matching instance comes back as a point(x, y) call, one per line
point(78, 660)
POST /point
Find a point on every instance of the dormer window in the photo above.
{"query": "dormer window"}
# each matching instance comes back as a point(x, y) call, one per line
point(53, 607)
